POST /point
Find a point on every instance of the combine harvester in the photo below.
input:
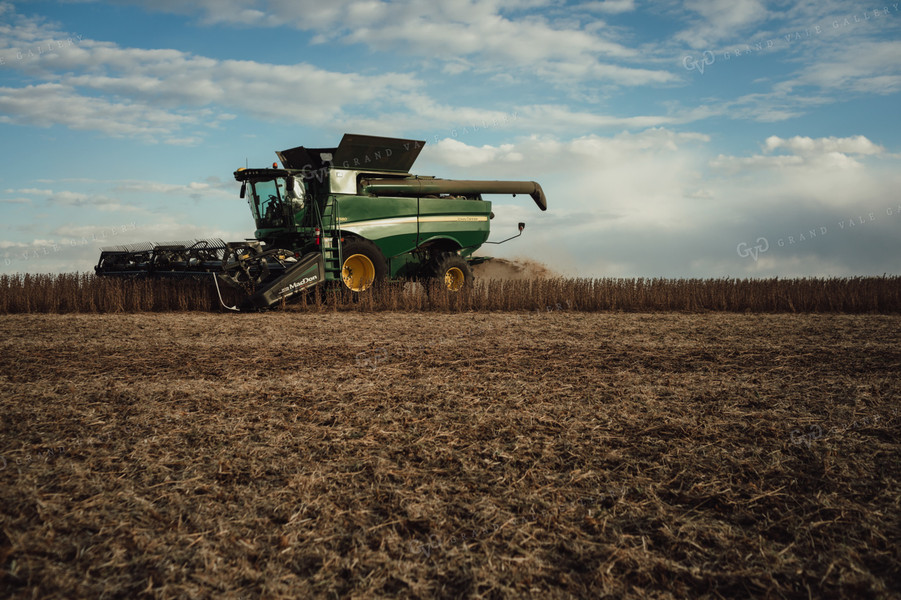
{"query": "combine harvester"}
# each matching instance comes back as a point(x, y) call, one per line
point(352, 214)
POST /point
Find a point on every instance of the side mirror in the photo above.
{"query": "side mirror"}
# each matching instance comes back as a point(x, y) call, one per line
point(521, 227)
point(289, 184)
point(243, 189)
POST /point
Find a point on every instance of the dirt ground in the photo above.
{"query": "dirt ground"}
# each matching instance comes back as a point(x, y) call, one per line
point(483, 455)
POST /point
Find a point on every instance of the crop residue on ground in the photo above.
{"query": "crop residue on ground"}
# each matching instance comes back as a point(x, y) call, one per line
point(489, 455)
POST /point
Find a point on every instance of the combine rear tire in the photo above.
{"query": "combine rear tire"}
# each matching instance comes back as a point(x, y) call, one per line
point(364, 265)
point(451, 271)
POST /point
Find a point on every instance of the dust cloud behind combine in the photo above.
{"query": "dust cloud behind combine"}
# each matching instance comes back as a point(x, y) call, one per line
point(515, 269)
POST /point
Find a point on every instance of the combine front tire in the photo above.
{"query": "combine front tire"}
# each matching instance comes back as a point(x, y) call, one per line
point(363, 266)
point(451, 271)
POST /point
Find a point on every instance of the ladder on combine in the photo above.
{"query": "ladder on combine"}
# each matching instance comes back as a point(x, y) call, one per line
point(330, 227)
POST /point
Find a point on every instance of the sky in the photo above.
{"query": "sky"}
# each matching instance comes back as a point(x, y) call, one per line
point(706, 138)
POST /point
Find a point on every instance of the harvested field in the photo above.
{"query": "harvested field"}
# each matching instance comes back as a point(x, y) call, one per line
point(488, 455)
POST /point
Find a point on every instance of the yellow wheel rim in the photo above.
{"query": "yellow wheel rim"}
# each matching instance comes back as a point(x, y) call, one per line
point(358, 272)
point(454, 279)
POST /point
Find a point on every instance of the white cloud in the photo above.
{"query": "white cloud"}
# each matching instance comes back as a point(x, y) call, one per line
point(653, 204)
point(862, 66)
point(495, 35)
point(70, 248)
point(550, 118)
point(161, 94)
point(104, 203)
point(104, 234)
point(640, 178)
point(827, 174)
point(744, 164)
point(822, 161)
point(422, 113)
point(168, 95)
point(57, 254)
point(184, 141)
point(808, 146)
point(29, 191)
point(814, 53)
point(492, 39)
point(50, 104)
point(61, 197)
point(719, 20)
point(458, 154)
point(196, 189)
point(173, 97)
point(609, 6)
point(729, 14)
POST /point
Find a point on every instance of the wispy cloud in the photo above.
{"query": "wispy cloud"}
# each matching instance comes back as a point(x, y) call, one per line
point(717, 20)
point(809, 146)
point(491, 35)
point(48, 104)
point(609, 6)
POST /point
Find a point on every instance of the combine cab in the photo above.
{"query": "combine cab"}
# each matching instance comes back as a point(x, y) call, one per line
point(352, 215)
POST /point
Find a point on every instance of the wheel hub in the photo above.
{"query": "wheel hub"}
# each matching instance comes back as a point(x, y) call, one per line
point(454, 279)
point(358, 272)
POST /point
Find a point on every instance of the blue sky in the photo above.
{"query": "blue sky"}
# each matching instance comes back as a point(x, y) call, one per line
point(708, 138)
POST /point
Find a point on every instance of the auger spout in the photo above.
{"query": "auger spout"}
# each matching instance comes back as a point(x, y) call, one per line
point(427, 186)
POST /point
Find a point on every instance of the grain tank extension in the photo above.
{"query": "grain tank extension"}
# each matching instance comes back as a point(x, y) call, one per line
point(353, 215)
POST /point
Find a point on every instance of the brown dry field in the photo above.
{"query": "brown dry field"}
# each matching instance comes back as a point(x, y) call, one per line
point(483, 455)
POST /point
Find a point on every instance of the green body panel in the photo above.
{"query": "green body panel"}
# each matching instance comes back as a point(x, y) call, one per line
point(399, 226)
point(389, 222)
point(466, 222)
point(406, 229)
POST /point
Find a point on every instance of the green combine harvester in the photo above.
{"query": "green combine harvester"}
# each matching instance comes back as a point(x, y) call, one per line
point(353, 215)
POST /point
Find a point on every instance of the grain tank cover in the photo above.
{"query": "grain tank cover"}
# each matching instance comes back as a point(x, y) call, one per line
point(307, 159)
point(358, 152)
